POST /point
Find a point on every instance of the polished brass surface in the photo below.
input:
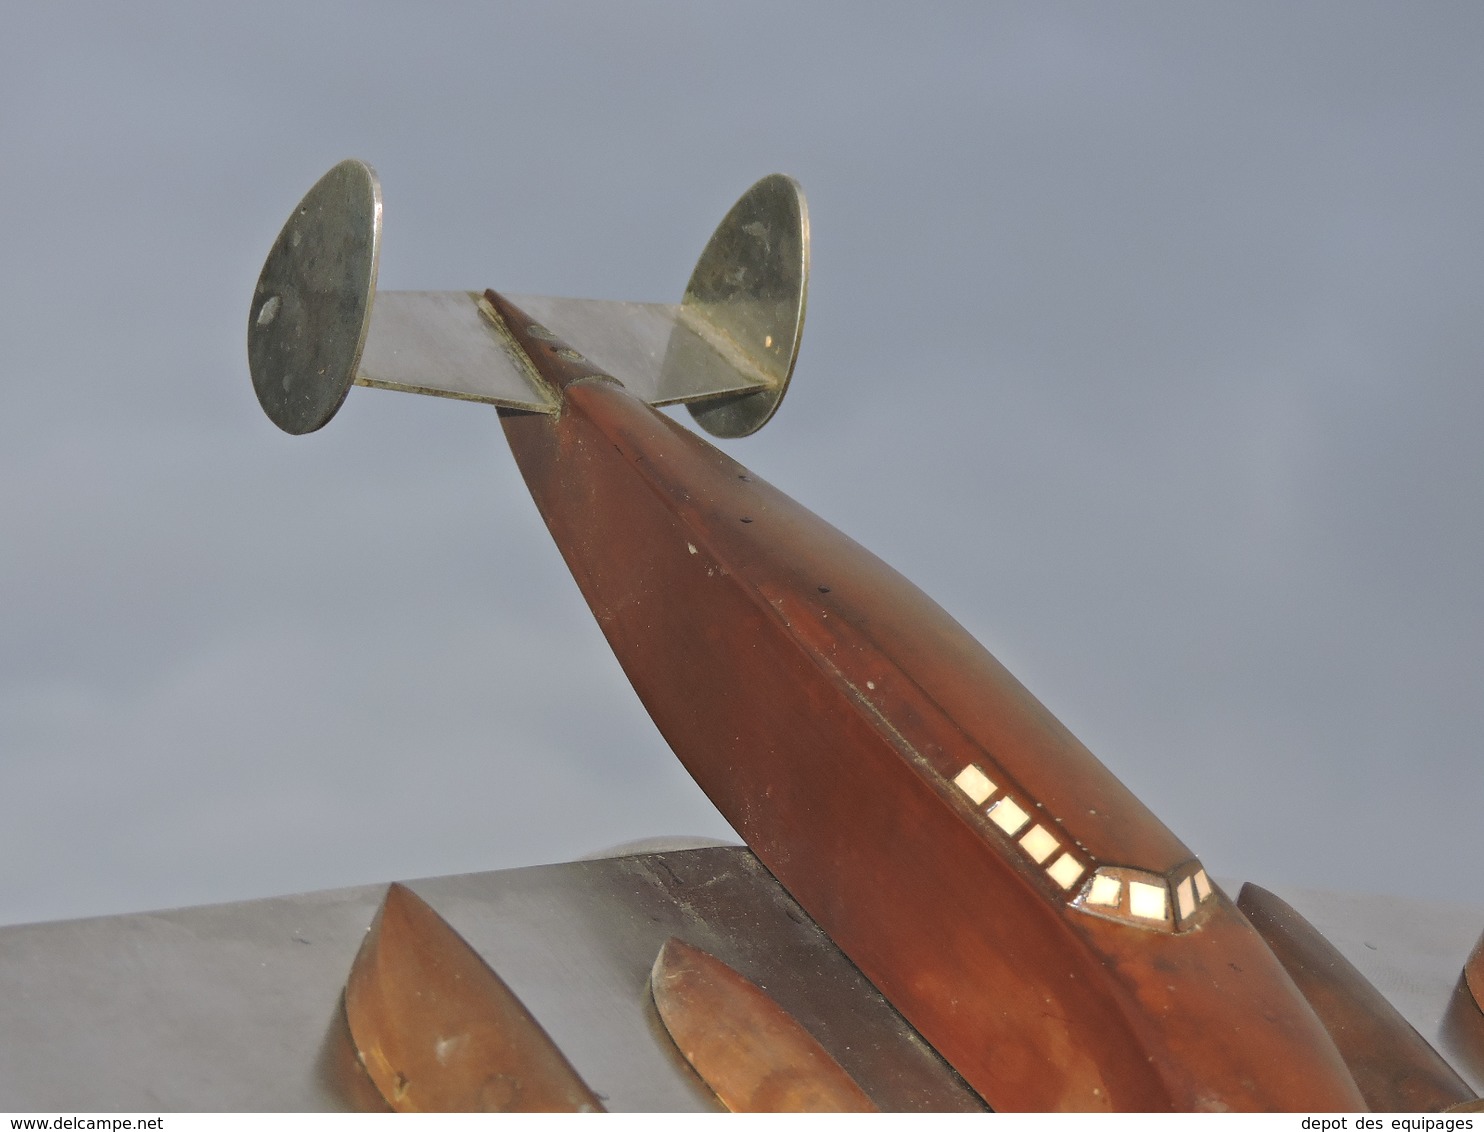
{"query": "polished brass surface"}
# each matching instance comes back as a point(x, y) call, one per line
point(751, 1052)
point(312, 305)
point(746, 299)
point(439, 1031)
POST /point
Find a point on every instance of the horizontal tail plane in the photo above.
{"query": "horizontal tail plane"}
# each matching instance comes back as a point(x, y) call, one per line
point(726, 350)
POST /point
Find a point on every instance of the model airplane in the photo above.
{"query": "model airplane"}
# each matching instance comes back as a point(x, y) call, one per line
point(948, 900)
point(1028, 915)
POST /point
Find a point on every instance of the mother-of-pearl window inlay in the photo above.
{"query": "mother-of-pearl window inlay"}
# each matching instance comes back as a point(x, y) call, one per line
point(1040, 843)
point(1167, 902)
point(1147, 901)
point(1105, 892)
point(1185, 898)
point(975, 783)
point(1066, 870)
point(1009, 816)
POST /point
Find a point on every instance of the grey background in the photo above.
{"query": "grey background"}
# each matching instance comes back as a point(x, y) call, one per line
point(1145, 338)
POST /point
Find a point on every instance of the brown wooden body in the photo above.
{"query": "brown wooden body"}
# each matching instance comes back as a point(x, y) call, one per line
point(824, 704)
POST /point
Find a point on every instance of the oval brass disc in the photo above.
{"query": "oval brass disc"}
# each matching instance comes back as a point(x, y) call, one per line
point(748, 292)
point(312, 306)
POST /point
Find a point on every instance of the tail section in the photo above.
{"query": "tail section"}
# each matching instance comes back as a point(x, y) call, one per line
point(727, 350)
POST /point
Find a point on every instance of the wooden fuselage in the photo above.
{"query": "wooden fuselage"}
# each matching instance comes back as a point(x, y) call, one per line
point(825, 705)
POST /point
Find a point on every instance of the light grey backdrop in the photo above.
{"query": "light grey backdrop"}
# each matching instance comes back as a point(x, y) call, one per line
point(1146, 338)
